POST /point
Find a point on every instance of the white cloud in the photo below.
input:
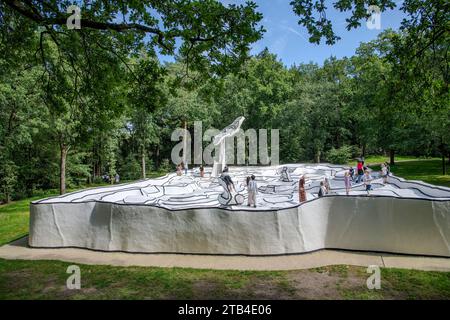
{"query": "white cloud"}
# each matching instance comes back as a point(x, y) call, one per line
point(296, 32)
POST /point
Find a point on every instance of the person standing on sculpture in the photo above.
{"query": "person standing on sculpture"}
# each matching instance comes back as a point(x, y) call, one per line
point(367, 181)
point(322, 190)
point(384, 173)
point(326, 184)
point(301, 189)
point(252, 191)
point(352, 173)
point(348, 182)
point(360, 171)
point(229, 182)
point(388, 168)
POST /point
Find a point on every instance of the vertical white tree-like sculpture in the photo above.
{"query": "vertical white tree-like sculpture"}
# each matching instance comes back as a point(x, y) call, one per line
point(220, 141)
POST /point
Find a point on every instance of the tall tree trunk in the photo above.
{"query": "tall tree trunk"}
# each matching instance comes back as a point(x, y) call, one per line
point(443, 163)
point(363, 151)
point(442, 147)
point(317, 156)
point(143, 162)
point(391, 157)
point(94, 164)
point(62, 168)
point(157, 156)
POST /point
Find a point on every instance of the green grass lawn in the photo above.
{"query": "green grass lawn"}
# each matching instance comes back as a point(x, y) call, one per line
point(380, 159)
point(424, 170)
point(427, 170)
point(21, 279)
point(46, 279)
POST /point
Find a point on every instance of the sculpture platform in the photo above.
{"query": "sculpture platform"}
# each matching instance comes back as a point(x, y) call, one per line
point(181, 214)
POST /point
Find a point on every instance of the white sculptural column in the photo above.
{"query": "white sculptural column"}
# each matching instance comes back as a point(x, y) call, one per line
point(220, 141)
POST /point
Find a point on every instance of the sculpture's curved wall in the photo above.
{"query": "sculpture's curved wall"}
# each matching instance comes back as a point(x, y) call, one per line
point(374, 223)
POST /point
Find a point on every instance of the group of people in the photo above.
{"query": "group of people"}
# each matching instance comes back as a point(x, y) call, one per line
point(325, 187)
point(111, 179)
point(182, 167)
point(363, 175)
point(252, 186)
point(366, 178)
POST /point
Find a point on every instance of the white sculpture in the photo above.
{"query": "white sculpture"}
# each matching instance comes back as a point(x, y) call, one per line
point(220, 140)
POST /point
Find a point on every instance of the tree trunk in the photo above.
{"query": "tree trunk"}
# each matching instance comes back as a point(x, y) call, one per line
point(443, 163)
point(363, 151)
point(94, 164)
point(143, 163)
point(391, 157)
point(157, 157)
point(317, 156)
point(443, 148)
point(62, 168)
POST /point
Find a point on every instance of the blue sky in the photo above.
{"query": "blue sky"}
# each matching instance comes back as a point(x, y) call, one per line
point(289, 40)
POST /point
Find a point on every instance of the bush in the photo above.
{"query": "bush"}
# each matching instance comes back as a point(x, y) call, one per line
point(130, 168)
point(8, 180)
point(340, 156)
point(166, 166)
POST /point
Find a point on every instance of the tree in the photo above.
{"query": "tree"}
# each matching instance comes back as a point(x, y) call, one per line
point(423, 17)
point(205, 32)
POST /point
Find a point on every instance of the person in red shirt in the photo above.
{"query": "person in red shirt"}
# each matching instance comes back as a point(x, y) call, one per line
point(360, 171)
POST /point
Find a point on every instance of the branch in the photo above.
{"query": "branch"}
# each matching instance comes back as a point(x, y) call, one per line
point(32, 13)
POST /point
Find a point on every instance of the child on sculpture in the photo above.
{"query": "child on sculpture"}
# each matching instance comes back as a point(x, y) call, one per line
point(367, 181)
point(326, 184)
point(322, 189)
point(226, 177)
point(348, 182)
point(384, 173)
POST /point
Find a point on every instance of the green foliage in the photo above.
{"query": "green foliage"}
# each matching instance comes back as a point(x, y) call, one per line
point(209, 35)
point(166, 165)
point(129, 168)
point(340, 155)
point(8, 179)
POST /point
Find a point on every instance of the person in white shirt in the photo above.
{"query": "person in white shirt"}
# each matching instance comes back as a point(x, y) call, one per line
point(252, 191)
point(322, 189)
point(384, 173)
point(326, 184)
point(367, 179)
